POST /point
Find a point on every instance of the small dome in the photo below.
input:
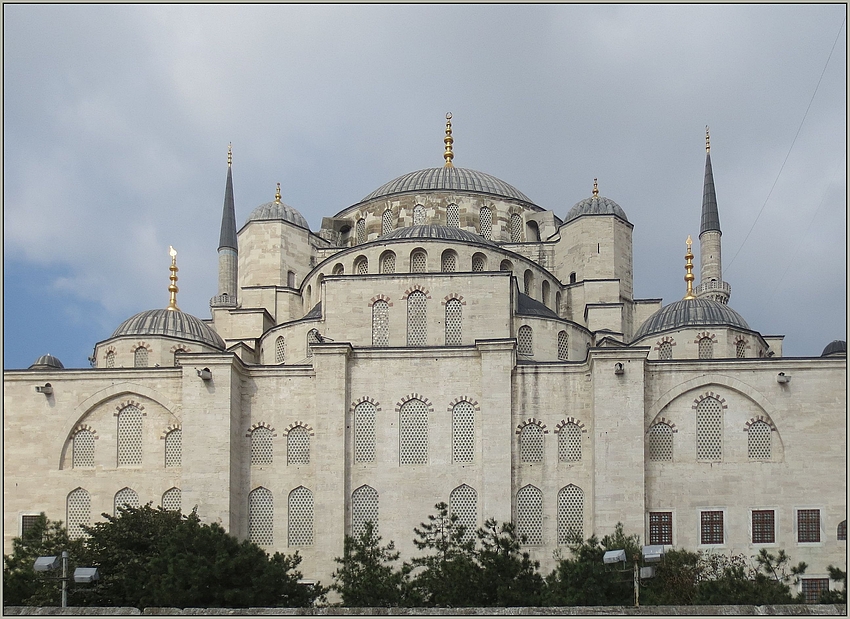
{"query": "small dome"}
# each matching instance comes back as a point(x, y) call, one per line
point(691, 313)
point(596, 205)
point(47, 362)
point(170, 323)
point(448, 179)
point(837, 348)
point(436, 231)
point(274, 211)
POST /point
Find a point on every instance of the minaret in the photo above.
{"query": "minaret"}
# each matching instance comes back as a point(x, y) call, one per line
point(448, 140)
point(711, 284)
point(228, 251)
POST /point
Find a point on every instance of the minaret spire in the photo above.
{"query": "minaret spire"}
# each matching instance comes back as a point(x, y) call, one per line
point(710, 218)
point(228, 249)
point(172, 287)
point(449, 155)
point(689, 271)
point(711, 284)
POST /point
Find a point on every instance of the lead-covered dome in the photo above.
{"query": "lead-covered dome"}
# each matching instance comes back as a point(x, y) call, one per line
point(836, 348)
point(170, 323)
point(596, 205)
point(275, 211)
point(449, 179)
point(436, 231)
point(691, 313)
point(47, 362)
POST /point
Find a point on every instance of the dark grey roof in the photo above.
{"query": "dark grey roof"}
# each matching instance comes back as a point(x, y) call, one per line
point(450, 179)
point(47, 362)
point(170, 323)
point(273, 211)
point(436, 231)
point(228, 216)
point(691, 313)
point(596, 205)
point(835, 347)
point(710, 219)
point(316, 312)
point(526, 306)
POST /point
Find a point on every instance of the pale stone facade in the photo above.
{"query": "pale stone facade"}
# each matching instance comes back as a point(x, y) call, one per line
point(444, 339)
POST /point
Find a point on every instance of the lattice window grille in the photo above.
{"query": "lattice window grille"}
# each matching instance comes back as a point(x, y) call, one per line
point(763, 526)
point(463, 502)
point(361, 231)
point(812, 589)
point(413, 432)
point(706, 348)
point(528, 282)
point(130, 436)
point(759, 441)
point(418, 261)
point(110, 359)
point(172, 500)
point(661, 528)
point(453, 216)
point(569, 443)
point(174, 448)
point(665, 350)
point(362, 267)
point(28, 521)
point(709, 430)
point(418, 215)
point(463, 432)
point(485, 222)
point(525, 341)
point(261, 517)
point(79, 512)
point(516, 229)
point(312, 338)
point(140, 357)
point(711, 527)
point(531, 443)
point(279, 350)
point(301, 517)
point(387, 222)
point(83, 449)
point(126, 497)
point(529, 508)
point(563, 346)
point(449, 262)
point(338, 270)
point(454, 322)
point(298, 446)
point(364, 432)
point(478, 263)
point(364, 508)
point(660, 441)
point(570, 514)
point(808, 525)
point(842, 531)
point(262, 452)
point(741, 349)
point(380, 323)
point(505, 265)
point(388, 263)
point(417, 326)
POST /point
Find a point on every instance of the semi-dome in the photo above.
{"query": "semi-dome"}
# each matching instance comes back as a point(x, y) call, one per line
point(47, 362)
point(837, 348)
point(436, 231)
point(274, 211)
point(449, 179)
point(596, 205)
point(170, 323)
point(691, 313)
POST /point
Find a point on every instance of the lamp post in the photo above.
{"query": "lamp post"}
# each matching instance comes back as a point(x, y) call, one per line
point(651, 554)
point(81, 574)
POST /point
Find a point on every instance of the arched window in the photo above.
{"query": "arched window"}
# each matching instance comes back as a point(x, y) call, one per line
point(569, 443)
point(361, 265)
point(532, 231)
point(463, 502)
point(413, 432)
point(261, 516)
point(452, 216)
point(463, 432)
point(417, 330)
point(563, 346)
point(262, 452)
point(454, 322)
point(298, 446)
point(279, 350)
point(130, 436)
point(665, 350)
point(528, 281)
point(312, 338)
point(449, 261)
point(531, 443)
point(529, 512)
point(418, 261)
point(573, 277)
point(307, 296)
point(570, 514)
point(479, 263)
point(126, 497)
point(418, 215)
point(388, 262)
point(558, 303)
point(741, 349)
point(706, 348)
point(380, 323)
point(709, 430)
point(387, 222)
point(301, 517)
point(110, 359)
point(364, 508)
point(78, 506)
point(174, 448)
point(339, 269)
point(177, 353)
point(545, 293)
point(290, 279)
point(759, 441)
point(660, 442)
point(82, 454)
point(506, 265)
point(485, 222)
point(360, 229)
point(842, 531)
point(516, 228)
point(140, 357)
point(525, 341)
point(171, 500)
point(364, 432)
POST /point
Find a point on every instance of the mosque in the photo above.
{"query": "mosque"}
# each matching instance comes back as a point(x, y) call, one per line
point(444, 339)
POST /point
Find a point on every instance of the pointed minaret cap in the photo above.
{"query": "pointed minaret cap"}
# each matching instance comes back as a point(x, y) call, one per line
point(595, 188)
point(228, 213)
point(277, 194)
point(689, 271)
point(449, 155)
point(172, 287)
point(710, 219)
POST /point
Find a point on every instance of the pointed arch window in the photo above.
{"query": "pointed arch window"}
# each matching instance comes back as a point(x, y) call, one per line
point(463, 432)
point(261, 517)
point(660, 442)
point(388, 262)
point(709, 429)
point(759, 441)
point(78, 507)
point(110, 359)
point(463, 502)
point(364, 432)
point(312, 338)
point(125, 498)
point(516, 228)
point(842, 531)
point(418, 215)
point(453, 216)
point(171, 500)
point(130, 436)
point(279, 350)
point(417, 333)
point(262, 452)
point(665, 350)
point(174, 448)
point(570, 514)
point(82, 453)
point(525, 341)
point(301, 517)
point(454, 322)
point(387, 222)
point(140, 357)
point(380, 323)
point(485, 222)
point(531, 443)
point(706, 348)
point(529, 511)
point(364, 508)
point(418, 261)
point(413, 432)
point(569, 443)
point(558, 303)
point(360, 231)
point(563, 346)
point(741, 349)
point(298, 446)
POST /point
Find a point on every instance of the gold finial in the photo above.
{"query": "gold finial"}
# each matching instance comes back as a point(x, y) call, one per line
point(707, 140)
point(229, 155)
point(449, 155)
point(277, 194)
point(595, 189)
point(172, 288)
point(689, 267)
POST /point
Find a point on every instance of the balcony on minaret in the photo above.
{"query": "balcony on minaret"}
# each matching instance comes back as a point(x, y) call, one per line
point(223, 300)
point(716, 290)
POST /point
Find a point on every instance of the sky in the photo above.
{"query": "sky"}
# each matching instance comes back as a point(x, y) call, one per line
point(117, 120)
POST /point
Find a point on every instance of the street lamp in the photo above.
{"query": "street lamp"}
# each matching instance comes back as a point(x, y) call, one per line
point(81, 574)
point(650, 554)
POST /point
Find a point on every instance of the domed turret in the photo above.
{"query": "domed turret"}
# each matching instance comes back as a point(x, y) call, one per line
point(691, 313)
point(169, 323)
point(836, 348)
point(277, 210)
point(596, 205)
point(47, 362)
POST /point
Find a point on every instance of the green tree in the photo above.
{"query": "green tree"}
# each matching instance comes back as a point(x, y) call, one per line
point(507, 575)
point(731, 580)
point(676, 580)
point(366, 576)
point(835, 596)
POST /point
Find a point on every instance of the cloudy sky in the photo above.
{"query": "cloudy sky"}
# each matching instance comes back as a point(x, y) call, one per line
point(117, 120)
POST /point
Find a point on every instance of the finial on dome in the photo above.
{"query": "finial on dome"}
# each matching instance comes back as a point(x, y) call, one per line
point(449, 155)
point(277, 194)
point(229, 154)
point(707, 140)
point(595, 188)
point(689, 268)
point(172, 288)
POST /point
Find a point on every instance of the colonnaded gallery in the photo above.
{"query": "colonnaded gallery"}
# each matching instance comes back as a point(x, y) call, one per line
point(444, 339)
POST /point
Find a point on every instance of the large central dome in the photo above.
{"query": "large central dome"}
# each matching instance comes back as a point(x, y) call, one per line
point(449, 179)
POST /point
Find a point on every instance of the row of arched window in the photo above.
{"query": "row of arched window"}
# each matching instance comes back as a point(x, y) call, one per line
point(705, 348)
point(297, 445)
point(418, 263)
point(525, 343)
point(531, 441)
point(485, 223)
point(140, 357)
point(78, 506)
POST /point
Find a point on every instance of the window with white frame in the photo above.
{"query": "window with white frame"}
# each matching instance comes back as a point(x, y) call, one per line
point(449, 261)
point(661, 528)
point(262, 452)
point(531, 443)
point(140, 357)
point(130, 436)
point(516, 228)
point(463, 502)
point(28, 521)
point(570, 514)
point(417, 315)
point(711, 527)
point(126, 497)
point(812, 589)
point(261, 517)
point(78, 512)
point(660, 442)
point(710, 429)
point(525, 341)
point(529, 511)
point(171, 500)
point(759, 441)
point(463, 432)
point(563, 346)
point(298, 446)
point(764, 526)
point(82, 454)
point(364, 508)
point(360, 229)
point(418, 261)
point(301, 517)
point(454, 322)
point(453, 216)
point(569, 443)
point(418, 215)
point(387, 222)
point(380, 323)
point(706, 348)
point(279, 350)
point(413, 432)
point(388, 262)
point(808, 525)
point(485, 222)
point(364, 432)
point(174, 448)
